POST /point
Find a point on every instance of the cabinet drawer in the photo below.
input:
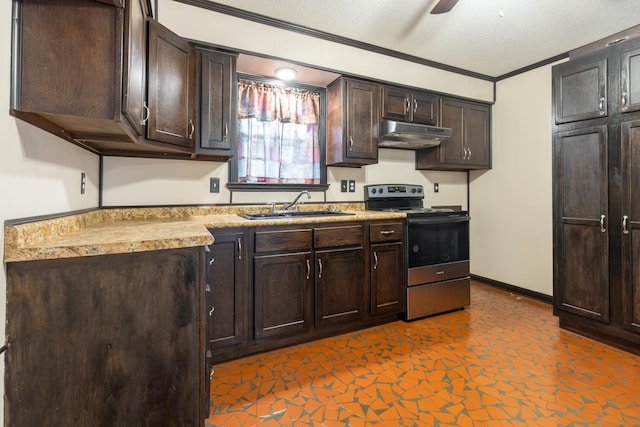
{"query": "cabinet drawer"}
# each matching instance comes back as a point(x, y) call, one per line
point(387, 232)
point(347, 235)
point(283, 240)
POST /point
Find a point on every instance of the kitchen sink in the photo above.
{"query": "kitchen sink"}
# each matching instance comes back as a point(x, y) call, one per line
point(292, 214)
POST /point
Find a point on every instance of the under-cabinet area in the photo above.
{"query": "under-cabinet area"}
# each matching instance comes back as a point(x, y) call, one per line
point(279, 285)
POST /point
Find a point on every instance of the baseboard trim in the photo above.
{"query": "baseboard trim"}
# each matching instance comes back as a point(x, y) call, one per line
point(548, 299)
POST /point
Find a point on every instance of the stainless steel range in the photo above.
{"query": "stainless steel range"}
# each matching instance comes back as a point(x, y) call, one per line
point(437, 248)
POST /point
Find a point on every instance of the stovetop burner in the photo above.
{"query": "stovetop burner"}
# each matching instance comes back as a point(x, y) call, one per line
point(405, 198)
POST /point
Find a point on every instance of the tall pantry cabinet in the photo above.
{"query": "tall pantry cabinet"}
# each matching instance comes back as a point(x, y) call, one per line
point(596, 202)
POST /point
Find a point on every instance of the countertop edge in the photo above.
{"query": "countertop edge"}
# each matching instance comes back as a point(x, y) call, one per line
point(117, 231)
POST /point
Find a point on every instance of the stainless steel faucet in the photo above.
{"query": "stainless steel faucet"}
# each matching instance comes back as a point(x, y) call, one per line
point(294, 205)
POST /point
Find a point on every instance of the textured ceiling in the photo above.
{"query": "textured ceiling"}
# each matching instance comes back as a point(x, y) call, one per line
point(473, 36)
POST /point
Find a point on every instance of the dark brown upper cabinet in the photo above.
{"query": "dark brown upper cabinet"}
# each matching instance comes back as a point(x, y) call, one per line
point(405, 105)
point(469, 146)
point(580, 89)
point(171, 90)
point(218, 91)
point(353, 114)
point(601, 84)
point(134, 97)
point(67, 70)
point(630, 80)
point(80, 72)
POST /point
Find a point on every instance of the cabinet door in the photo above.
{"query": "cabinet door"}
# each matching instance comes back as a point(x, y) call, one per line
point(117, 327)
point(170, 91)
point(362, 120)
point(282, 295)
point(580, 89)
point(424, 108)
point(228, 312)
point(135, 66)
point(581, 240)
point(631, 225)
point(396, 103)
point(339, 286)
point(630, 81)
point(218, 93)
point(477, 136)
point(452, 150)
point(387, 278)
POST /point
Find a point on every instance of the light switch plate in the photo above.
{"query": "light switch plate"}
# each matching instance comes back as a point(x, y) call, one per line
point(352, 186)
point(343, 186)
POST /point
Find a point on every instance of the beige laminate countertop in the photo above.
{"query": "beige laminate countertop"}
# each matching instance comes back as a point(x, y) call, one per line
point(116, 231)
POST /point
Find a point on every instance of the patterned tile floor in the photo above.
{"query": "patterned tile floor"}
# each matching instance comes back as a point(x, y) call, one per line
point(501, 362)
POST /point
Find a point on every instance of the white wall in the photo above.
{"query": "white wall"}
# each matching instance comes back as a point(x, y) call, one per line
point(198, 24)
point(149, 182)
point(39, 173)
point(511, 218)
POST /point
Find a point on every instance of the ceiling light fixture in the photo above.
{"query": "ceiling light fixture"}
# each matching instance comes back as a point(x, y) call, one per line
point(286, 73)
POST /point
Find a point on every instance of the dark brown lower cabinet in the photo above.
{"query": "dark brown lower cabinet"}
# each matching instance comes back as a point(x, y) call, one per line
point(283, 295)
point(299, 283)
point(581, 240)
point(227, 313)
point(339, 281)
point(111, 340)
point(596, 225)
point(388, 268)
point(630, 142)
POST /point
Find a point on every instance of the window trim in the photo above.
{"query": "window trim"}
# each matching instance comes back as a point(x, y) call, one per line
point(233, 183)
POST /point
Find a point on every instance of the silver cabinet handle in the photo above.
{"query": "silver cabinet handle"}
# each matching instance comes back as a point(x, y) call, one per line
point(211, 260)
point(407, 105)
point(320, 266)
point(239, 248)
point(387, 232)
point(211, 310)
point(602, 229)
point(623, 101)
point(375, 260)
point(308, 269)
point(469, 151)
point(192, 128)
point(350, 143)
point(625, 230)
point(601, 105)
point(145, 107)
point(415, 105)
point(226, 132)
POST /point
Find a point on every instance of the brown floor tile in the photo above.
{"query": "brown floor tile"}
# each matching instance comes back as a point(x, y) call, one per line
point(501, 362)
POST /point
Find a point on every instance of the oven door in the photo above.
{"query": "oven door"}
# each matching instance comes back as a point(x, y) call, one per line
point(437, 240)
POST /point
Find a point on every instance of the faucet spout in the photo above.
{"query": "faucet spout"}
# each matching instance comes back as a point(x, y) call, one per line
point(294, 205)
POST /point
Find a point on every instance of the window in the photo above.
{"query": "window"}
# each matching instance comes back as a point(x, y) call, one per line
point(280, 134)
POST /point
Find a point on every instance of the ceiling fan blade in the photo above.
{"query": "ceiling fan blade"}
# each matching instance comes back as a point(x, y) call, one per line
point(443, 6)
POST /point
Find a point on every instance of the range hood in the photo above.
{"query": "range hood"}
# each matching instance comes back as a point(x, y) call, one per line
point(410, 136)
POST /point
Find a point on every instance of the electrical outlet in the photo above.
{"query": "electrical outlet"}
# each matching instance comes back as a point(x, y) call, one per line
point(343, 186)
point(83, 182)
point(214, 185)
point(436, 187)
point(352, 186)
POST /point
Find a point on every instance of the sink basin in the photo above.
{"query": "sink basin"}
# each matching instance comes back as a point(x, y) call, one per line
point(292, 214)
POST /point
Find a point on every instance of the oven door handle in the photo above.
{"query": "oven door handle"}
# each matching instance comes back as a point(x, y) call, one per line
point(439, 220)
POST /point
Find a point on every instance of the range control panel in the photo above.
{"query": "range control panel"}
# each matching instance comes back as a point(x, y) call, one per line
point(387, 191)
